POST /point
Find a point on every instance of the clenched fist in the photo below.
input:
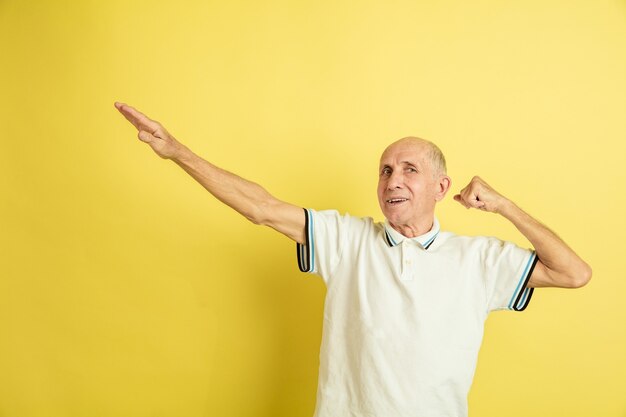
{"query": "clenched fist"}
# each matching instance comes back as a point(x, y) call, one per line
point(478, 194)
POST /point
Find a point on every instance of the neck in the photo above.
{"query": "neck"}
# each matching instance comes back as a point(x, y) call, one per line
point(414, 230)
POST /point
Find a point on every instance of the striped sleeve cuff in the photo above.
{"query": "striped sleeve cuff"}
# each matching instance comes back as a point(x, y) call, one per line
point(306, 252)
point(521, 296)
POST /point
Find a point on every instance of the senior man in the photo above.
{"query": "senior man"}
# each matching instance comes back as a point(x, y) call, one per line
point(406, 302)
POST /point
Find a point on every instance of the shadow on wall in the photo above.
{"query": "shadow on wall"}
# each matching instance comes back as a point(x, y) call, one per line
point(286, 306)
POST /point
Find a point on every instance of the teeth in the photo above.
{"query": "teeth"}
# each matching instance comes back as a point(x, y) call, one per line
point(396, 200)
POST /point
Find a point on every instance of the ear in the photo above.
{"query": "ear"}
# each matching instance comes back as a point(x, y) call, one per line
point(443, 185)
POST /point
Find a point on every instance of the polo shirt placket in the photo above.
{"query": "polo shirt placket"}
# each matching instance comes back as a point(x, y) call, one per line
point(410, 247)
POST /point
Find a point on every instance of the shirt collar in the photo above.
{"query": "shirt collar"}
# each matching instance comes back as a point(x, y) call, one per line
point(394, 238)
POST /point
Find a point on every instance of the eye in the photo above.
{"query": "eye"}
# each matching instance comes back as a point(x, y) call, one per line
point(385, 171)
point(411, 170)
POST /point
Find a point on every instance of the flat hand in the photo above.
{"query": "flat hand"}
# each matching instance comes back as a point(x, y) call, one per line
point(478, 194)
point(151, 132)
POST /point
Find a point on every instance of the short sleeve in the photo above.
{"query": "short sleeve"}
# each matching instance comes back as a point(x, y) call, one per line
point(326, 233)
point(507, 270)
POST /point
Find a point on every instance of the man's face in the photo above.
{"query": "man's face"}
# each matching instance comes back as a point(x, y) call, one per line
point(408, 189)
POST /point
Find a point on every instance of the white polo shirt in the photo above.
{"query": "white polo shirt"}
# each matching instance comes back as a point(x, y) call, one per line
point(404, 318)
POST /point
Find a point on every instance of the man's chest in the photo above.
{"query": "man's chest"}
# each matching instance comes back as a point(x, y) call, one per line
point(407, 289)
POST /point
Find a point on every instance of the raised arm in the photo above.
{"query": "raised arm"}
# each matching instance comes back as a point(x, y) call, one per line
point(558, 265)
point(246, 197)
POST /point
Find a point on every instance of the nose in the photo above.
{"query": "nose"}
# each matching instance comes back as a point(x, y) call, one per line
point(395, 180)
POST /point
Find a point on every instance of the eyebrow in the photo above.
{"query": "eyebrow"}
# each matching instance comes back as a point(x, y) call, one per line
point(402, 162)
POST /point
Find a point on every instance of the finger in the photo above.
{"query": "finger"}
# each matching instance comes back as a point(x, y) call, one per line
point(145, 136)
point(471, 198)
point(468, 196)
point(124, 109)
point(460, 200)
point(137, 118)
point(475, 202)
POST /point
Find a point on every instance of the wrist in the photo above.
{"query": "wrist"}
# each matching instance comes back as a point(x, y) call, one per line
point(183, 155)
point(506, 207)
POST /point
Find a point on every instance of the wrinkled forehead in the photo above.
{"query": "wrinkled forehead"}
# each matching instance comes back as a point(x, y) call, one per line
point(406, 151)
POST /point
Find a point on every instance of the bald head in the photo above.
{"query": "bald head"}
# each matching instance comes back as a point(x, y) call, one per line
point(433, 153)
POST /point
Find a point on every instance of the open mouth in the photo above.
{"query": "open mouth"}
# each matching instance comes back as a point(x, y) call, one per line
point(396, 201)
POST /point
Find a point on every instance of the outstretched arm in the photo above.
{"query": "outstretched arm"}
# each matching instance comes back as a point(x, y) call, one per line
point(558, 264)
point(248, 198)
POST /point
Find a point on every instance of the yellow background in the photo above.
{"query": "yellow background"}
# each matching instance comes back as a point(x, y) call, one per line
point(126, 290)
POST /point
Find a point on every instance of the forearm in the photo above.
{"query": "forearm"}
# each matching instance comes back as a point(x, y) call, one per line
point(246, 197)
point(562, 263)
point(249, 199)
